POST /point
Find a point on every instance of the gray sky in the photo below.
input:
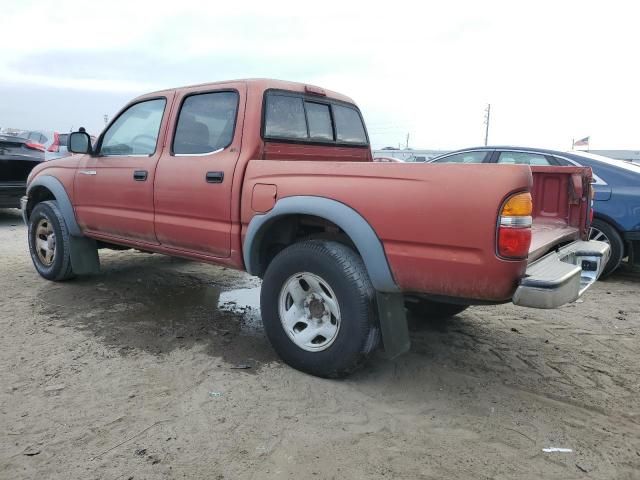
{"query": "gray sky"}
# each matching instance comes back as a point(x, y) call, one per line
point(551, 70)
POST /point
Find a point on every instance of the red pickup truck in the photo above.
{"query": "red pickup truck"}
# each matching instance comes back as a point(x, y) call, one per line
point(277, 178)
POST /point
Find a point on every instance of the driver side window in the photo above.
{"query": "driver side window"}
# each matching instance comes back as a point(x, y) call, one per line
point(135, 132)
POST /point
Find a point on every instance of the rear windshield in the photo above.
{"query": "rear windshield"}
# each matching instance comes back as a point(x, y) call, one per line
point(297, 118)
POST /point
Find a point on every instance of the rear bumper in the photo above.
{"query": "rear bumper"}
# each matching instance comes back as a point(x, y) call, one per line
point(562, 276)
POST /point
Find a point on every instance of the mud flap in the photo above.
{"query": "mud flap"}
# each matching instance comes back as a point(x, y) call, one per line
point(84, 255)
point(393, 324)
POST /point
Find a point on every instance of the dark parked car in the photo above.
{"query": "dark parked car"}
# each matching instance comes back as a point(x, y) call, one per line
point(18, 156)
point(55, 143)
point(616, 185)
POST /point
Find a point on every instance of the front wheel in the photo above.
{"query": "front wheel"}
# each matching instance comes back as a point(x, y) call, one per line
point(49, 242)
point(318, 308)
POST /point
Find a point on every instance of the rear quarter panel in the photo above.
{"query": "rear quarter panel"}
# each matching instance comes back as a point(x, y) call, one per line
point(437, 222)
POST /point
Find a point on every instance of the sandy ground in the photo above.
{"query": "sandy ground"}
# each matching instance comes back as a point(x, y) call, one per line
point(130, 374)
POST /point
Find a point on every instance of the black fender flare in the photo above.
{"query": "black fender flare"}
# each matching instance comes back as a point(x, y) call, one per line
point(57, 189)
point(350, 221)
point(84, 250)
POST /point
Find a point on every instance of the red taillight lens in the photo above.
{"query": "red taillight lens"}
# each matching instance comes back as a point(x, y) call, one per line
point(55, 146)
point(34, 146)
point(514, 226)
point(514, 242)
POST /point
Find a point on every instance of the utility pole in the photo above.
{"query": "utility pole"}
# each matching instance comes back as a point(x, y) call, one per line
point(407, 146)
point(487, 118)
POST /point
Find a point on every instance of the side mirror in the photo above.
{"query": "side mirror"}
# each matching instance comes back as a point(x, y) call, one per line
point(79, 142)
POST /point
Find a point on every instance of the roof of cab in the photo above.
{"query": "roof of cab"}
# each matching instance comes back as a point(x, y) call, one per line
point(260, 84)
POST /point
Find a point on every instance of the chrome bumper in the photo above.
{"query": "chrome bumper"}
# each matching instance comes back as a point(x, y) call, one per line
point(562, 276)
point(23, 208)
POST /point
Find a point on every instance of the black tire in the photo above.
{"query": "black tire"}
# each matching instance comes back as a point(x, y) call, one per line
point(613, 238)
point(60, 267)
point(343, 271)
point(430, 310)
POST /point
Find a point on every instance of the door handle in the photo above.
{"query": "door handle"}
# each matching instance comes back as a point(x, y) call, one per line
point(140, 175)
point(215, 177)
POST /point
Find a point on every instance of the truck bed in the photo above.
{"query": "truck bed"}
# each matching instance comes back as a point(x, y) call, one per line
point(437, 222)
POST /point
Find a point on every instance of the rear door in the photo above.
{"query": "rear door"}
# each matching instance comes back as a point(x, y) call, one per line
point(114, 189)
point(194, 176)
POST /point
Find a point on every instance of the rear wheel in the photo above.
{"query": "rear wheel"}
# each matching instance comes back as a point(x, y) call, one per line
point(430, 310)
point(318, 308)
point(49, 242)
point(604, 232)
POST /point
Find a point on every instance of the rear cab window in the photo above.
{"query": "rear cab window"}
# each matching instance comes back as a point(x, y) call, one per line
point(299, 118)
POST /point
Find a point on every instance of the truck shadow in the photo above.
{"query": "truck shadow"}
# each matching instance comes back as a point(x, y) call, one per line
point(157, 304)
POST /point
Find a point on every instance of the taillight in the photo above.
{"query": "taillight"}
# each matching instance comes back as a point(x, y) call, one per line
point(514, 229)
point(55, 146)
point(34, 146)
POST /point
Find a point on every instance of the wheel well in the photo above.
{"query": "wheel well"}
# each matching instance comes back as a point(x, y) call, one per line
point(291, 229)
point(625, 245)
point(36, 195)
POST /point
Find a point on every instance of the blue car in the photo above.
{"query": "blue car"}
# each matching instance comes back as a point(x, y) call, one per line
point(616, 185)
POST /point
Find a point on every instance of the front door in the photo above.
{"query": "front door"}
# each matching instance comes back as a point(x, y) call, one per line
point(194, 177)
point(114, 188)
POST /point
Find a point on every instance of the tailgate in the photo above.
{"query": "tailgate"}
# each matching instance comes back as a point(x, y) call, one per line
point(562, 265)
point(561, 207)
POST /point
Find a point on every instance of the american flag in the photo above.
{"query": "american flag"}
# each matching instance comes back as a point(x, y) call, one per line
point(583, 142)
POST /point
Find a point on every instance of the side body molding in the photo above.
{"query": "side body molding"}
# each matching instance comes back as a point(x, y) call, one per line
point(83, 251)
point(350, 221)
point(55, 186)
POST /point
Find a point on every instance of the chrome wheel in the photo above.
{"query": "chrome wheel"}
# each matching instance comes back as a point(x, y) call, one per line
point(309, 312)
point(45, 242)
point(599, 235)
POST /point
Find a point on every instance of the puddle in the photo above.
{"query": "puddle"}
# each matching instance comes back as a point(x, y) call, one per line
point(244, 302)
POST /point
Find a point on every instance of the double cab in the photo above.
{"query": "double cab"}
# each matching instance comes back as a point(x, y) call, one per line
point(277, 178)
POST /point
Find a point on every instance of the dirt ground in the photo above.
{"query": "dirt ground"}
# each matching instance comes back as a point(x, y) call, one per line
point(137, 373)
